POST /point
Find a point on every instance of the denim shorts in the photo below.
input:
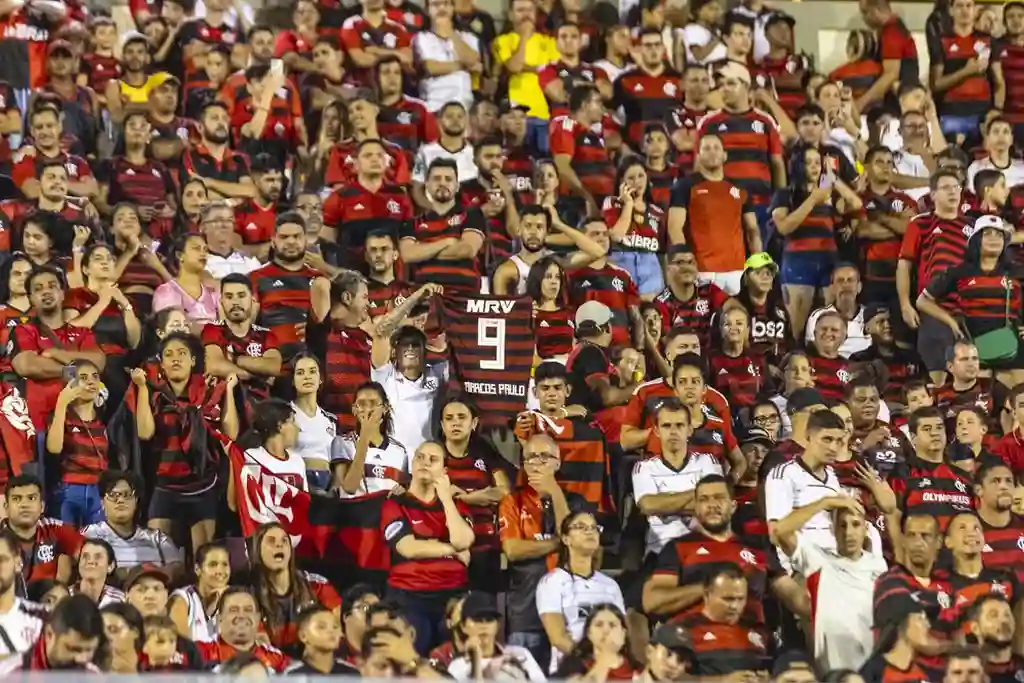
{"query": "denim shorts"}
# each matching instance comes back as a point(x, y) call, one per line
point(644, 267)
point(811, 269)
point(80, 504)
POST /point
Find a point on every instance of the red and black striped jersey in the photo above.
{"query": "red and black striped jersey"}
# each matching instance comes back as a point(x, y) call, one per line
point(585, 146)
point(341, 165)
point(141, 184)
point(10, 317)
point(647, 231)
point(285, 301)
point(139, 274)
point(491, 344)
point(255, 223)
point(34, 336)
point(902, 365)
point(52, 539)
point(661, 182)
point(973, 94)
point(231, 167)
point(694, 313)
point(475, 472)
point(347, 366)
point(28, 163)
point(355, 211)
point(962, 591)
point(694, 556)
point(407, 123)
point(357, 33)
point(880, 256)
point(612, 286)
point(1011, 57)
point(741, 378)
point(831, 375)
point(405, 515)
point(407, 13)
point(934, 244)
point(570, 77)
point(713, 436)
point(385, 296)
point(987, 300)
point(86, 450)
point(498, 242)
point(935, 489)
point(293, 42)
point(721, 648)
point(646, 98)
point(816, 234)
point(555, 331)
point(1004, 546)
point(858, 76)
point(750, 139)
point(896, 44)
point(461, 275)
point(98, 69)
point(788, 73)
point(109, 329)
point(950, 400)
point(585, 468)
point(686, 119)
point(877, 669)
point(253, 345)
point(518, 169)
point(219, 651)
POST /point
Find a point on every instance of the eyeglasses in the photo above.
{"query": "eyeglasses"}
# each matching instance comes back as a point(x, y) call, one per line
point(120, 496)
point(584, 527)
point(765, 419)
point(948, 188)
point(540, 457)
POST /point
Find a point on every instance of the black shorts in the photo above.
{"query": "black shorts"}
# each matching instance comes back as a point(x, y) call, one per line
point(933, 338)
point(184, 508)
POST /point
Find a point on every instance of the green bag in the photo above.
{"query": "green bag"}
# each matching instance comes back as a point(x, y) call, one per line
point(999, 345)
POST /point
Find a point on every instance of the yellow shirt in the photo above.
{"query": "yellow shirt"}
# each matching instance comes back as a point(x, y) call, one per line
point(524, 88)
point(139, 95)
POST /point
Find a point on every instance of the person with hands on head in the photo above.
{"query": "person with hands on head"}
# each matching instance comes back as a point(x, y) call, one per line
point(430, 535)
point(77, 436)
point(397, 642)
point(194, 607)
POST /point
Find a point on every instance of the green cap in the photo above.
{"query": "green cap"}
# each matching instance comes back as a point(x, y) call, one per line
point(760, 260)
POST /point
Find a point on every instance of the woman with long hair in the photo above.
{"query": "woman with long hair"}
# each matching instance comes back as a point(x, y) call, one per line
point(194, 608)
point(986, 290)
point(733, 369)
point(188, 290)
point(96, 567)
point(559, 604)
point(553, 317)
point(139, 271)
point(568, 209)
point(194, 196)
point(14, 304)
point(807, 216)
point(761, 294)
point(281, 589)
point(369, 459)
point(165, 323)
point(318, 429)
point(636, 227)
point(39, 241)
point(603, 652)
point(123, 626)
point(842, 120)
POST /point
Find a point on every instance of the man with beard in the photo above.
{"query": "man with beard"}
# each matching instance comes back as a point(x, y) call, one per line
point(965, 385)
point(51, 203)
point(901, 365)
point(44, 126)
point(39, 349)
point(881, 234)
point(70, 640)
point(290, 294)
point(452, 145)
point(649, 92)
point(682, 124)
point(238, 620)
point(831, 370)
point(989, 624)
point(993, 488)
point(535, 224)
point(443, 244)
point(225, 172)
point(260, 41)
point(321, 254)
point(684, 301)
point(20, 619)
point(217, 223)
point(577, 143)
point(343, 165)
point(558, 78)
point(47, 546)
point(370, 202)
point(677, 585)
point(134, 85)
point(370, 36)
point(172, 134)
point(237, 346)
point(402, 120)
point(492, 192)
point(255, 216)
point(385, 289)
point(845, 293)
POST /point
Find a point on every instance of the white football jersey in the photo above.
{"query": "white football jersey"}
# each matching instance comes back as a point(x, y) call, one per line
point(292, 470)
point(653, 476)
point(384, 468)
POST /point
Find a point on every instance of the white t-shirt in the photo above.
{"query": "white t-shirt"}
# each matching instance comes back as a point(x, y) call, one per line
point(653, 476)
point(695, 35)
point(560, 592)
point(461, 668)
point(791, 485)
point(203, 628)
point(384, 468)
point(856, 338)
point(23, 624)
point(912, 165)
point(433, 150)
point(456, 86)
point(412, 402)
point(1014, 173)
point(843, 636)
point(316, 434)
point(235, 263)
point(292, 470)
point(145, 546)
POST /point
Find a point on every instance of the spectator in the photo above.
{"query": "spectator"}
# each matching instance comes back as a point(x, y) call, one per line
point(123, 627)
point(479, 626)
point(637, 227)
point(761, 295)
point(194, 608)
point(845, 291)
point(224, 172)
point(998, 142)
point(370, 35)
point(133, 545)
point(521, 52)
point(44, 126)
point(96, 565)
point(237, 630)
point(223, 259)
point(557, 78)
point(896, 51)
point(733, 369)
point(831, 370)
point(187, 290)
point(18, 618)
point(255, 217)
point(617, 54)
point(70, 641)
point(701, 38)
point(451, 57)
point(368, 460)
point(603, 649)
point(146, 588)
point(320, 633)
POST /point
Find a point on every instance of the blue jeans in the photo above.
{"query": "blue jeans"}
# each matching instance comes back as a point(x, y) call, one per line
point(319, 480)
point(537, 643)
point(644, 267)
point(812, 269)
point(425, 612)
point(537, 135)
point(965, 124)
point(80, 504)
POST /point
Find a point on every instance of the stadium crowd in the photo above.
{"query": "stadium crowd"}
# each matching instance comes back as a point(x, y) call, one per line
point(604, 343)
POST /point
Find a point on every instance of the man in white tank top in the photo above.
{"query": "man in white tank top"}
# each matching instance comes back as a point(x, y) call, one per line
point(535, 225)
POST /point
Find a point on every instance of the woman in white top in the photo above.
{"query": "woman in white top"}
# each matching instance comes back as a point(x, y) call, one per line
point(701, 40)
point(193, 609)
point(268, 444)
point(567, 594)
point(369, 460)
point(603, 652)
point(318, 429)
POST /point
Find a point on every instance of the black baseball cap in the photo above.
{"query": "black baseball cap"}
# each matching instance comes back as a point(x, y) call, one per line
point(674, 638)
point(873, 310)
point(759, 435)
point(802, 399)
point(507, 106)
point(480, 606)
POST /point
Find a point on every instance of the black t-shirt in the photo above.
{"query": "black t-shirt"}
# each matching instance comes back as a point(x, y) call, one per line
point(591, 360)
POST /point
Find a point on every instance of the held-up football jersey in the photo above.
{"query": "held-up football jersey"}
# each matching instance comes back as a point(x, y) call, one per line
point(491, 341)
